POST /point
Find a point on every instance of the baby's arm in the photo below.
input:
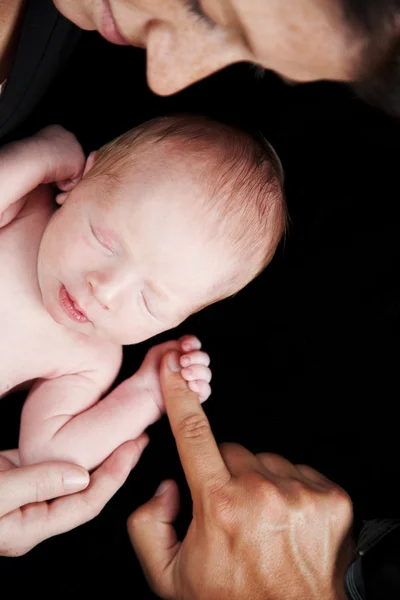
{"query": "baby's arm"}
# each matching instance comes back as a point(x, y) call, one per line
point(51, 155)
point(62, 418)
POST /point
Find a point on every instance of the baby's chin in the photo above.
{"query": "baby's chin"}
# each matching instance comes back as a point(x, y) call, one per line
point(104, 335)
point(122, 339)
point(82, 328)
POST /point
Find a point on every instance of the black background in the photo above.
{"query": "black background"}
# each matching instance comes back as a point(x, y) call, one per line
point(305, 358)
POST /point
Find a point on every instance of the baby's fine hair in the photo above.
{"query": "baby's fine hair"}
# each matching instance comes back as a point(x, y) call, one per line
point(240, 171)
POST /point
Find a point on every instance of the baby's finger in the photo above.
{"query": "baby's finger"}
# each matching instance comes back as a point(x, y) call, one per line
point(68, 184)
point(196, 357)
point(197, 372)
point(201, 388)
point(189, 343)
point(61, 197)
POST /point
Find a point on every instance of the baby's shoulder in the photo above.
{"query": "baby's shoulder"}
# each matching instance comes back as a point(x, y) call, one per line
point(98, 358)
point(38, 202)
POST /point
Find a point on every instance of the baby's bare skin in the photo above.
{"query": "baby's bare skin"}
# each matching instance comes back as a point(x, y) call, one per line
point(33, 345)
point(71, 370)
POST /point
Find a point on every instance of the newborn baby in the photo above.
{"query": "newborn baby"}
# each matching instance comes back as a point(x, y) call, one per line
point(170, 217)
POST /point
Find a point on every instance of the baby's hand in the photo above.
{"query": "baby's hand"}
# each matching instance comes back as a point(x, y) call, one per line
point(195, 366)
point(62, 154)
point(194, 362)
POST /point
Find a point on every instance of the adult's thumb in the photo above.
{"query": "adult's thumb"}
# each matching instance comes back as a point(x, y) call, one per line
point(38, 482)
point(154, 538)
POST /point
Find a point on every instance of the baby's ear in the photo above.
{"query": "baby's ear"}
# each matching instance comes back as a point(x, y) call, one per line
point(67, 186)
point(91, 159)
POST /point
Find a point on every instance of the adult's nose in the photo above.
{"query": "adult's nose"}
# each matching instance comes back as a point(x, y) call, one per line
point(180, 56)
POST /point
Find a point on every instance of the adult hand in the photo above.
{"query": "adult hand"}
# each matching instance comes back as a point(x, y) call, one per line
point(26, 518)
point(262, 528)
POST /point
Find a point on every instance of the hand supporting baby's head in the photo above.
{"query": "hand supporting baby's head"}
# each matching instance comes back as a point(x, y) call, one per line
point(172, 216)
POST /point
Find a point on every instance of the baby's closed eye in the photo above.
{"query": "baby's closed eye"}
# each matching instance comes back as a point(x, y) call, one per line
point(102, 241)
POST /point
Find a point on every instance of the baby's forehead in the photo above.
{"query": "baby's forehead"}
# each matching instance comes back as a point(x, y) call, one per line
point(168, 206)
point(182, 187)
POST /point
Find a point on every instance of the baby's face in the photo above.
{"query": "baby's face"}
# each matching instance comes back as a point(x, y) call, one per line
point(129, 263)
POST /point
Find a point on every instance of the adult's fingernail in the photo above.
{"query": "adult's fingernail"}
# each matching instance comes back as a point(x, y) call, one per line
point(75, 480)
point(162, 488)
point(173, 362)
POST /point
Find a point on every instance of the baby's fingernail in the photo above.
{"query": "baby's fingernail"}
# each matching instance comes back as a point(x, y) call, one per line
point(75, 480)
point(185, 361)
point(173, 362)
point(162, 488)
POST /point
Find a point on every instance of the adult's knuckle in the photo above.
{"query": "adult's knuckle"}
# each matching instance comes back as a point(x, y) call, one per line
point(297, 490)
point(195, 427)
point(268, 494)
point(44, 487)
point(223, 508)
point(341, 500)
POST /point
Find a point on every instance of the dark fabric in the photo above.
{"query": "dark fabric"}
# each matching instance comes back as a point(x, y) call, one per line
point(46, 42)
point(375, 574)
point(326, 310)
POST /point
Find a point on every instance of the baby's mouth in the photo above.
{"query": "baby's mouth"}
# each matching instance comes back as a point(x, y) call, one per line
point(71, 308)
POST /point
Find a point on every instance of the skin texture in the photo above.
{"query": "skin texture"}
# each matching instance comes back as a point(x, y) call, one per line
point(182, 49)
point(73, 364)
point(135, 256)
point(26, 516)
point(188, 40)
point(262, 527)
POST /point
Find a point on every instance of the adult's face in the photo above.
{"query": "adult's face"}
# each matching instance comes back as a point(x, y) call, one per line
point(186, 40)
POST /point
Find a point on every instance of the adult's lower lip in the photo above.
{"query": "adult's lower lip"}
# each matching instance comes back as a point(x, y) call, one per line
point(108, 26)
point(69, 307)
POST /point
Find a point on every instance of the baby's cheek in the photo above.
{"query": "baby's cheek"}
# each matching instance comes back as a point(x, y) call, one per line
point(54, 237)
point(129, 330)
point(142, 330)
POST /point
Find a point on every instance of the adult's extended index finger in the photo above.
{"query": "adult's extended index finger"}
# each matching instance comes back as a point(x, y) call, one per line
point(201, 459)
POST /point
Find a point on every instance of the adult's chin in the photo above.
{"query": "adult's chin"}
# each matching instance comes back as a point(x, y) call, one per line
point(80, 12)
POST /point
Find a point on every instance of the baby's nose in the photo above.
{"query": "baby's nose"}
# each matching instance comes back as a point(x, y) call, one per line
point(113, 289)
point(99, 292)
point(109, 290)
